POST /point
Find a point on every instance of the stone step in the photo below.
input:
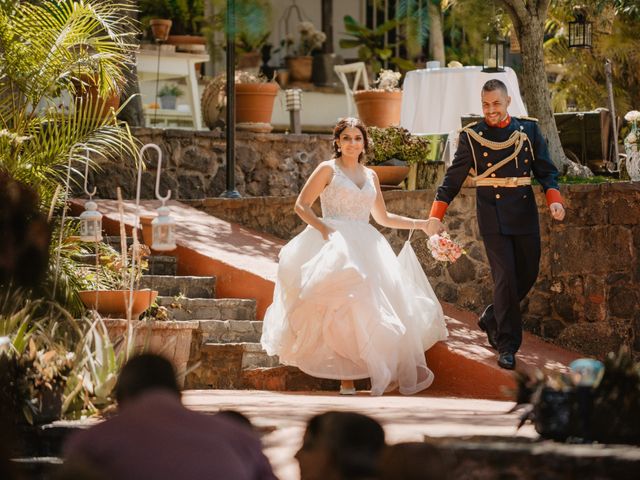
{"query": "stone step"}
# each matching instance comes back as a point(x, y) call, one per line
point(247, 366)
point(162, 265)
point(230, 331)
point(114, 241)
point(208, 308)
point(220, 365)
point(172, 286)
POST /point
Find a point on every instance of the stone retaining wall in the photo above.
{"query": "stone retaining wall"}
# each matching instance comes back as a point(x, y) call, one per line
point(587, 294)
point(194, 164)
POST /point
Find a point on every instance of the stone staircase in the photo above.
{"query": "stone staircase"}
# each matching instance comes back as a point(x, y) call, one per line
point(226, 351)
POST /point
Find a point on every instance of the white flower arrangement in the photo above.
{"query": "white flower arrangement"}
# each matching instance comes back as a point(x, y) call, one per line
point(388, 80)
point(632, 145)
point(310, 39)
point(633, 116)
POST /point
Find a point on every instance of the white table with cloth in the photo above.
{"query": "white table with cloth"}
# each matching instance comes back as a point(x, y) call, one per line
point(433, 100)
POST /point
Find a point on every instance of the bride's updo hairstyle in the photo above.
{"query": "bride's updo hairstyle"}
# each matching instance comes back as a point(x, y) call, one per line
point(350, 122)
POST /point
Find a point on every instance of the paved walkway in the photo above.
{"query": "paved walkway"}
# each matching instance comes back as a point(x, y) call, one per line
point(283, 415)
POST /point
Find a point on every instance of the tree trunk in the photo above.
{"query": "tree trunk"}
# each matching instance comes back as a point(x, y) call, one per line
point(436, 34)
point(132, 112)
point(528, 18)
point(536, 89)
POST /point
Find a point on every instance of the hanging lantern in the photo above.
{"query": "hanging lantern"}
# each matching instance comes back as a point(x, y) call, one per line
point(91, 223)
point(162, 230)
point(494, 53)
point(580, 30)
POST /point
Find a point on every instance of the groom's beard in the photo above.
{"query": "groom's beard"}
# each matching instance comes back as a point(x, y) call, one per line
point(503, 122)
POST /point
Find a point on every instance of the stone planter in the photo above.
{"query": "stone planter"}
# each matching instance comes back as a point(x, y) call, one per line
point(168, 102)
point(171, 339)
point(390, 175)
point(300, 68)
point(113, 303)
point(378, 108)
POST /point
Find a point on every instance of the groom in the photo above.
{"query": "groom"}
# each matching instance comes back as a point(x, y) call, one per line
point(501, 153)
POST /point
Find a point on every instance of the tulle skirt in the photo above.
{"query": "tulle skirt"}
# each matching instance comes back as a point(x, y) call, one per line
point(348, 308)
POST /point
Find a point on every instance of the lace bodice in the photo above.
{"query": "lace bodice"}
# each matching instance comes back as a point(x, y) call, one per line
point(343, 200)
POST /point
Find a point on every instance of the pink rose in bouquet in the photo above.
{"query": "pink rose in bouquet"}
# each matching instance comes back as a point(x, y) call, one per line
point(444, 249)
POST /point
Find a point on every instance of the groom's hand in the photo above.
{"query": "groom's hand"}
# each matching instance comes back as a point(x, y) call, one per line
point(557, 211)
point(434, 226)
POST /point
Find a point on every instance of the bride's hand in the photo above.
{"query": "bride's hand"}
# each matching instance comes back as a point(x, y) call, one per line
point(433, 226)
point(326, 231)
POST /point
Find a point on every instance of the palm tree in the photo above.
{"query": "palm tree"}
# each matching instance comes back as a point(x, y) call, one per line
point(56, 50)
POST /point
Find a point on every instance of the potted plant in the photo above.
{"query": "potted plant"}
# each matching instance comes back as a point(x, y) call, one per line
point(252, 30)
point(183, 18)
point(106, 286)
point(372, 49)
point(380, 106)
point(394, 151)
point(168, 96)
point(255, 96)
point(298, 54)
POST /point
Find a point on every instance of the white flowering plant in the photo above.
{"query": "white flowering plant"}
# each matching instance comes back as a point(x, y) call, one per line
point(633, 117)
point(309, 40)
point(632, 144)
point(388, 81)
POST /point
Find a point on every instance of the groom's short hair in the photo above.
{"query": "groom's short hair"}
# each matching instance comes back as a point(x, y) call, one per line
point(493, 85)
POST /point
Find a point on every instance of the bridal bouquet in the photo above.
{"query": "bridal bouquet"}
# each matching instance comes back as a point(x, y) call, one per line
point(444, 249)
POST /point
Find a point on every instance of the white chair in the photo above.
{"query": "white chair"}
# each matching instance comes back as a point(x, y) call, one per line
point(359, 70)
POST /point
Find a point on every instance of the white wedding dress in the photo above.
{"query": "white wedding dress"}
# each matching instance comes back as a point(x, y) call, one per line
point(348, 308)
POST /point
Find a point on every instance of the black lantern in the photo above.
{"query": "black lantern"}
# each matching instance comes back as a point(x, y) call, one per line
point(580, 30)
point(494, 53)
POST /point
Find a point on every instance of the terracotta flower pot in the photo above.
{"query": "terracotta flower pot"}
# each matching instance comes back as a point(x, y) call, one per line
point(254, 102)
point(113, 303)
point(300, 68)
point(160, 28)
point(378, 108)
point(390, 174)
point(87, 93)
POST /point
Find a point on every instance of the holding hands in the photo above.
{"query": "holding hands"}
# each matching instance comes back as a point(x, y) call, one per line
point(433, 226)
point(557, 211)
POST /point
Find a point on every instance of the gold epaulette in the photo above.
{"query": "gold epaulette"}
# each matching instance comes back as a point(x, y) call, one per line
point(533, 119)
point(468, 125)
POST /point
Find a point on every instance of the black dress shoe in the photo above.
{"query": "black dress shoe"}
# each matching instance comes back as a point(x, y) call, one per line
point(483, 327)
point(507, 361)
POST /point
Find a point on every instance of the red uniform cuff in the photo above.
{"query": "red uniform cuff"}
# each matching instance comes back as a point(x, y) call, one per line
point(438, 209)
point(553, 196)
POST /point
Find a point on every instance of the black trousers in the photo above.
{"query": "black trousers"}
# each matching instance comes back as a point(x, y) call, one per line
point(514, 262)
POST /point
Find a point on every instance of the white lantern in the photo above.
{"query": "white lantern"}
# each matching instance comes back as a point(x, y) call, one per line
point(91, 223)
point(162, 230)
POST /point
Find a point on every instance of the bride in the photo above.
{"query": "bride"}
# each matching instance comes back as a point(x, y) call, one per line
point(344, 306)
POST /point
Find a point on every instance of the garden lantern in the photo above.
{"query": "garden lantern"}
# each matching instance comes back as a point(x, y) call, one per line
point(162, 227)
point(91, 218)
point(162, 230)
point(294, 105)
point(580, 30)
point(91, 223)
point(494, 53)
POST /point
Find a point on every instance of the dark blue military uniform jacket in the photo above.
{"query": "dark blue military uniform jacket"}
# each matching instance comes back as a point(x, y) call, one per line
point(502, 210)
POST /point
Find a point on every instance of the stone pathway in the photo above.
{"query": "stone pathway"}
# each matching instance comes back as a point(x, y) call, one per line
point(283, 416)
